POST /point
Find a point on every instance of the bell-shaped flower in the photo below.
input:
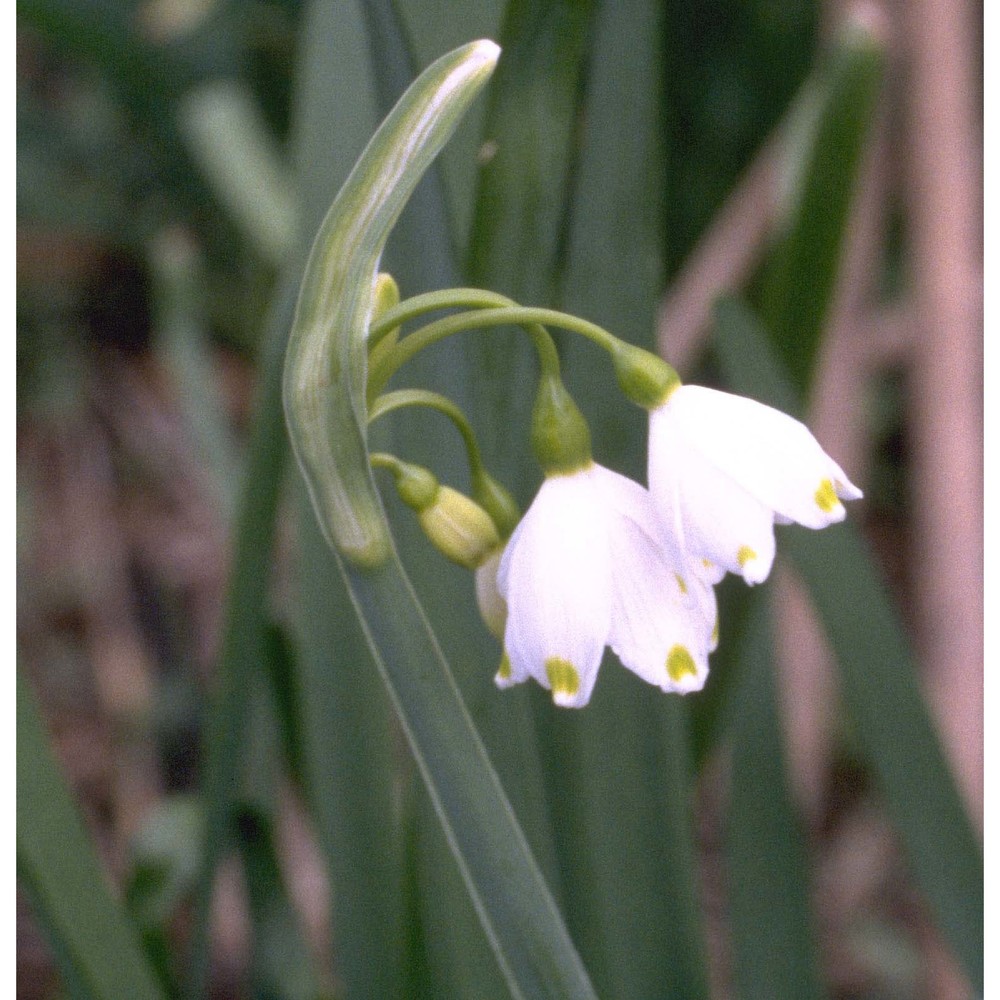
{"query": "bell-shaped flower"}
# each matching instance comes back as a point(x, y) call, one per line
point(724, 468)
point(586, 568)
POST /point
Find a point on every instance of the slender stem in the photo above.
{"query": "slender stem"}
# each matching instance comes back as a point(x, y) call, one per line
point(420, 305)
point(529, 318)
point(435, 401)
point(383, 460)
point(391, 361)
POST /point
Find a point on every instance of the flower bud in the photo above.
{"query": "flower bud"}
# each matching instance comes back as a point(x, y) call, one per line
point(385, 296)
point(457, 527)
point(645, 379)
point(492, 606)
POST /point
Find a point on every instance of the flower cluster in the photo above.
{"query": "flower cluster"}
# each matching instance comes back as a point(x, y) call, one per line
point(600, 561)
point(597, 560)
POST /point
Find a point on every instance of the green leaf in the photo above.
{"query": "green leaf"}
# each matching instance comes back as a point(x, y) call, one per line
point(614, 265)
point(457, 960)
point(325, 403)
point(228, 137)
point(827, 137)
point(436, 28)
point(619, 771)
point(878, 678)
point(513, 902)
point(774, 953)
point(524, 184)
point(246, 642)
point(620, 787)
point(349, 771)
point(96, 948)
point(420, 256)
point(529, 150)
point(281, 967)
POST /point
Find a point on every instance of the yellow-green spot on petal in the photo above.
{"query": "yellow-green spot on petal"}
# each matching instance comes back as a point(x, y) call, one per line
point(680, 583)
point(562, 676)
point(826, 497)
point(715, 633)
point(745, 555)
point(504, 672)
point(680, 663)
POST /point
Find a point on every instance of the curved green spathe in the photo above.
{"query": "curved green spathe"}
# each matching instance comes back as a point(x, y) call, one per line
point(325, 366)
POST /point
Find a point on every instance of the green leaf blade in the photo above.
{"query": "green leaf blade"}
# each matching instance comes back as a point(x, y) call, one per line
point(878, 678)
point(774, 951)
point(511, 897)
point(349, 773)
point(97, 948)
point(827, 141)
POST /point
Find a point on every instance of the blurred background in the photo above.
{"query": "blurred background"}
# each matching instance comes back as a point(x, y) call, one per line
point(784, 199)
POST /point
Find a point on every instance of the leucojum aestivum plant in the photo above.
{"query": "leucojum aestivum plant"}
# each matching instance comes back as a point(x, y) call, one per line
point(597, 560)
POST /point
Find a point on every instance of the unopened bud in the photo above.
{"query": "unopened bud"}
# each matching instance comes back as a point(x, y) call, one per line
point(385, 296)
point(459, 528)
point(492, 606)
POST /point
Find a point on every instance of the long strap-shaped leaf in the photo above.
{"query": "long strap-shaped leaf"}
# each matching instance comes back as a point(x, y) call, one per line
point(878, 679)
point(774, 951)
point(324, 404)
point(95, 946)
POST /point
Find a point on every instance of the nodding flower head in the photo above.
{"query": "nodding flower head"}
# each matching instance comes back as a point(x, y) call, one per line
point(585, 569)
point(723, 469)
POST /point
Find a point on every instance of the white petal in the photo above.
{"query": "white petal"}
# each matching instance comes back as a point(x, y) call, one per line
point(554, 575)
point(657, 632)
point(506, 676)
point(703, 595)
point(657, 620)
point(773, 456)
point(705, 511)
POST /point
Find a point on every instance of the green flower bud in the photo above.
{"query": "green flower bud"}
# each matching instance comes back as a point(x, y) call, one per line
point(457, 527)
point(384, 297)
point(492, 607)
point(645, 379)
point(417, 486)
point(560, 437)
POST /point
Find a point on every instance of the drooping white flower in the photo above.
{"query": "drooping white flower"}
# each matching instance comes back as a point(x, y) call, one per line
point(585, 569)
point(724, 468)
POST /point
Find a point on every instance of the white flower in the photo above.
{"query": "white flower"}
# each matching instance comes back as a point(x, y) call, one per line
point(724, 468)
point(585, 569)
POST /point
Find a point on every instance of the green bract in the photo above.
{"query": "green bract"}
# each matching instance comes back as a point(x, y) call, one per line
point(326, 362)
